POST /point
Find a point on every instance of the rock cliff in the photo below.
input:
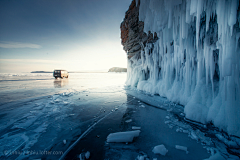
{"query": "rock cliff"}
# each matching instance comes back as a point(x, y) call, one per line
point(132, 34)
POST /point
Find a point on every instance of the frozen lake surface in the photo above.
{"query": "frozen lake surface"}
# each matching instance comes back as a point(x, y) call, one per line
point(44, 118)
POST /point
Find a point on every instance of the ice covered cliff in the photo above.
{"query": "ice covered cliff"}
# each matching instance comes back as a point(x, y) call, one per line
point(189, 52)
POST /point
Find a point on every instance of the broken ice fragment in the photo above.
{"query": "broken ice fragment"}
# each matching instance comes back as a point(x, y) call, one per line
point(160, 149)
point(183, 148)
point(182, 114)
point(141, 157)
point(128, 121)
point(87, 155)
point(123, 136)
point(135, 127)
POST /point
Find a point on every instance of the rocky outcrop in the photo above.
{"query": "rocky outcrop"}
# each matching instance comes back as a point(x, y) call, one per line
point(133, 37)
point(117, 69)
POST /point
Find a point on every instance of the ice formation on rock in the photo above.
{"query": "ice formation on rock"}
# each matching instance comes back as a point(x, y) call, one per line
point(196, 59)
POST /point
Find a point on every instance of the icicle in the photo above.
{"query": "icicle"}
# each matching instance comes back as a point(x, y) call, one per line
point(180, 68)
point(232, 18)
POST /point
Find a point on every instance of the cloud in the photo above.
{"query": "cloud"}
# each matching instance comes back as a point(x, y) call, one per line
point(29, 61)
point(18, 45)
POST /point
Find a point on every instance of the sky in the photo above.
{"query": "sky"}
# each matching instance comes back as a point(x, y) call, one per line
point(76, 35)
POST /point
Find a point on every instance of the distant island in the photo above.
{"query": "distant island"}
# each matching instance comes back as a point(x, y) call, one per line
point(117, 69)
point(41, 72)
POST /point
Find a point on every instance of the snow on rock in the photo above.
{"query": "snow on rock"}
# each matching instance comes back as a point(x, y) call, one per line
point(193, 59)
point(160, 149)
point(123, 136)
point(183, 148)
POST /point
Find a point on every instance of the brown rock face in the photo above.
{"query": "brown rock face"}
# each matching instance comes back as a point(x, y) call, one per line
point(132, 35)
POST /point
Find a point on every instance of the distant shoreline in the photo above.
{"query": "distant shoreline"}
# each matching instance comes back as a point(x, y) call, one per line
point(117, 69)
point(68, 72)
point(41, 72)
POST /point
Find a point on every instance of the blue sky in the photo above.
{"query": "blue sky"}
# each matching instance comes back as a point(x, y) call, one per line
point(76, 35)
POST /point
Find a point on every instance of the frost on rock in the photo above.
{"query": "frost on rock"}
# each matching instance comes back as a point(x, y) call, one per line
point(160, 149)
point(123, 136)
point(195, 60)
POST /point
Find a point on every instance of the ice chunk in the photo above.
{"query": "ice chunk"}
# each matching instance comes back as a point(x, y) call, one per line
point(193, 135)
point(135, 127)
point(128, 121)
point(87, 155)
point(141, 157)
point(183, 148)
point(160, 149)
point(123, 136)
point(229, 143)
point(64, 141)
